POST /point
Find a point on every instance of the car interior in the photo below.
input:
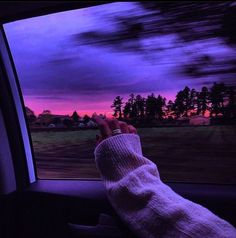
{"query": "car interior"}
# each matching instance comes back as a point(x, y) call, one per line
point(33, 207)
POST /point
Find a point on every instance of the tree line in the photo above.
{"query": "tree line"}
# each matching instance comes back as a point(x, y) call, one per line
point(218, 100)
point(46, 118)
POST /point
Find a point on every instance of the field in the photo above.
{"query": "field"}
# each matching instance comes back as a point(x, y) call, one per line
point(186, 154)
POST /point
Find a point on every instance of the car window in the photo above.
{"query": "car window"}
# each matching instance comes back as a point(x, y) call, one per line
point(166, 68)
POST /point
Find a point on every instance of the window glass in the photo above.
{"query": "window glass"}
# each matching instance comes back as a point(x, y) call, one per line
point(167, 68)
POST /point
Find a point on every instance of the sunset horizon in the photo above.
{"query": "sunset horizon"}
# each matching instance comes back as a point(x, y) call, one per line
point(80, 60)
point(67, 107)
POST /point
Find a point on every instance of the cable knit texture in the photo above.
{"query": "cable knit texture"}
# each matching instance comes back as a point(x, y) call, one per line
point(148, 206)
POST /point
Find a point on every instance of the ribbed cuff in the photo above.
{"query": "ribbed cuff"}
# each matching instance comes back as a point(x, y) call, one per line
point(115, 142)
point(116, 156)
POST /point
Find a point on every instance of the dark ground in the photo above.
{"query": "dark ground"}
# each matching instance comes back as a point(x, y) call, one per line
point(204, 154)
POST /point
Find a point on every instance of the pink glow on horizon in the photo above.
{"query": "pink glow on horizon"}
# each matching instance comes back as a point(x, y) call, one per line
point(67, 107)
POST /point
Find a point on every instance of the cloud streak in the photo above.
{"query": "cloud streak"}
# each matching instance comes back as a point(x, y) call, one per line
point(61, 74)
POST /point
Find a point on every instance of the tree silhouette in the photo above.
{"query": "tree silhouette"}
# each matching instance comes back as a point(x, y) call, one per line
point(45, 117)
point(127, 110)
point(30, 115)
point(133, 106)
point(202, 101)
point(155, 106)
point(231, 106)
point(187, 101)
point(193, 102)
point(46, 112)
point(75, 116)
point(160, 105)
point(151, 106)
point(86, 118)
point(117, 105)
point(169, 110)
point(217, 99)
point(179, 107)
point(140, 106)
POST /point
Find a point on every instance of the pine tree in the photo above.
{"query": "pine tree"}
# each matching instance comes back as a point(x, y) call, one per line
point(117, 105)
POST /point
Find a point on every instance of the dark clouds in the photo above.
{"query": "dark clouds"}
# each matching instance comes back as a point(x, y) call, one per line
point(54, 68)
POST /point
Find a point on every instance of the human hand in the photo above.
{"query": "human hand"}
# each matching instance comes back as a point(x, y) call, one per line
point(111, 127)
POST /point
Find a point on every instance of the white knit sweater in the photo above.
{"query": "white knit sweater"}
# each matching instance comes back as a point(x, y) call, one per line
point(148, 206)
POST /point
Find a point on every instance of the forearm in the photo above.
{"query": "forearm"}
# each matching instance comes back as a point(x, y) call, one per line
point(146, 204)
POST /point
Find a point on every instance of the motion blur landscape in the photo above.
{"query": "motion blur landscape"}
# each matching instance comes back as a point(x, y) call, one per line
point(167, 68)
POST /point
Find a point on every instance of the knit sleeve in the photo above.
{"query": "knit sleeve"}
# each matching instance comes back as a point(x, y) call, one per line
point(148, 206)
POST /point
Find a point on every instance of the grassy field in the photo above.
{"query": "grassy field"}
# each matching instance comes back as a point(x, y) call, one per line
point(186, 154)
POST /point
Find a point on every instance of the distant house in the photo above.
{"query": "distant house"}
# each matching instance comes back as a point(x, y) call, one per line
point(91, 124)
point(81, 125)
point(51, 125)
point(57, 120)
point(199, 120)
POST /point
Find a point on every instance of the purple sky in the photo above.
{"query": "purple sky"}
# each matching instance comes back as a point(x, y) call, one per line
point(58, 74)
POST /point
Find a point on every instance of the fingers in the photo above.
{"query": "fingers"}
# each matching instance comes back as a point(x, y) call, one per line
point(108, 125)
point(123, 127)
point(103, 126)
point(113, 124)
point(132, 129)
